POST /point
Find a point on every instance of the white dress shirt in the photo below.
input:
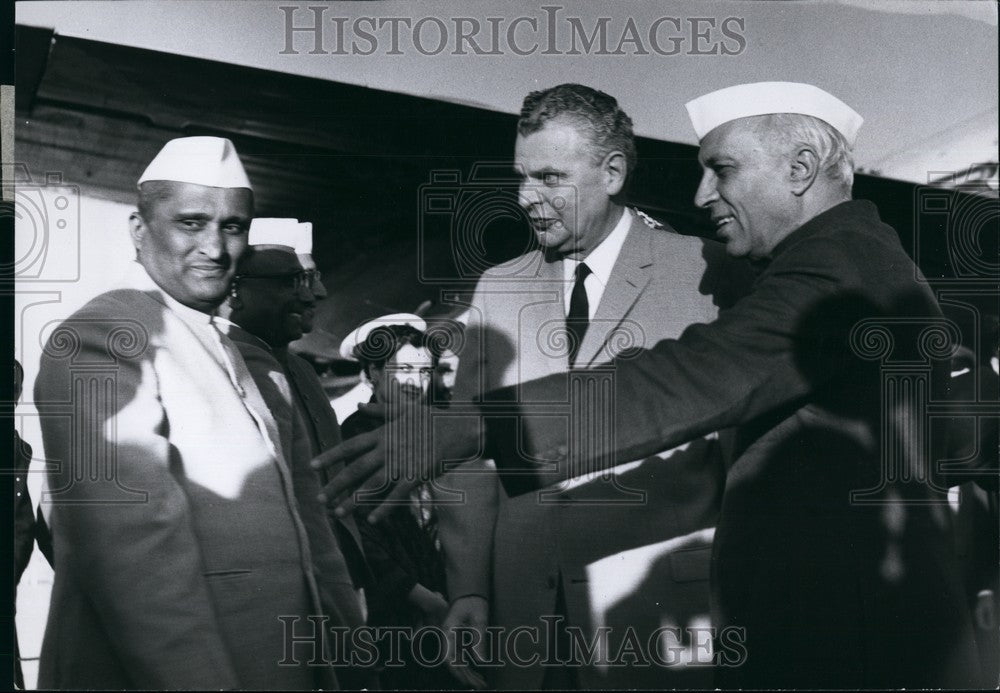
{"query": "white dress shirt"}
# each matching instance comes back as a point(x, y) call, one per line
point(601, 261)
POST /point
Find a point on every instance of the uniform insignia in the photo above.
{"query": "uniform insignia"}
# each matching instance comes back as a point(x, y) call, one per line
point(648, 220)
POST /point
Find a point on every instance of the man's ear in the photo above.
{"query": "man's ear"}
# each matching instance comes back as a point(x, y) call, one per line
point(136, 230)
point(804, 169)
point(615, 168)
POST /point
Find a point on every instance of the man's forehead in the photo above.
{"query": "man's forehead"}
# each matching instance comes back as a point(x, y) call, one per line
point(558, 137)
point(735, 138)
point(178, 195)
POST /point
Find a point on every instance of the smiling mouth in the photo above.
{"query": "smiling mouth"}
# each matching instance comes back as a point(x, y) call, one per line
point(212, 270)
point(720, 222)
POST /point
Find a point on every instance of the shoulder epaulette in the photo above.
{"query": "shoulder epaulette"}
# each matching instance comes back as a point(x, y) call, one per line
point(648, 220)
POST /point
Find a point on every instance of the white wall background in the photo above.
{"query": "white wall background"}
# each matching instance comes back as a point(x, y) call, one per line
point(59, 268)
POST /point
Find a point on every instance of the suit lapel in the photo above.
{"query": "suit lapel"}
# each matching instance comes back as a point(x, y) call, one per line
point(629, 278)
point(548, 320)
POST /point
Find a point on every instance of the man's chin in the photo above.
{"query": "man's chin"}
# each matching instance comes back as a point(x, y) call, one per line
point(213, 289)
point(205, 301)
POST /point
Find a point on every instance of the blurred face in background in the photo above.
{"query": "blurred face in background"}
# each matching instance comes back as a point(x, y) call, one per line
point(272, 296)
point(410, 368)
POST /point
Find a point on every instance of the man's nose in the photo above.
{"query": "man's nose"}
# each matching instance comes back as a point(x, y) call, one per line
point(706, 190)
point(318, 290)
point(305, 293)
point(528, 196)
point(212, 242)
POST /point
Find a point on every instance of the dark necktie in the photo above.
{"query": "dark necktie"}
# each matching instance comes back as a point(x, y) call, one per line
point(579, 312)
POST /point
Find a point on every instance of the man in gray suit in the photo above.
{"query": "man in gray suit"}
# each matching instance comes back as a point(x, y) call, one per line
point(616, 556)
point(833, 559)
point(187, 552)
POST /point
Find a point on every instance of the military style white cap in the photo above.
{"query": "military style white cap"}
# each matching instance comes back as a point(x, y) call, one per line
point(764, 98)
point(304, 238)
point(360, 334)
point(209, 161)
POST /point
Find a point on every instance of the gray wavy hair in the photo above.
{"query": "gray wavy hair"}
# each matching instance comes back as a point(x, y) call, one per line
point(607, 126)
point(793, 130)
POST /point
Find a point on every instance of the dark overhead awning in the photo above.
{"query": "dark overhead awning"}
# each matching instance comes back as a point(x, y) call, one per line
point(357, 162)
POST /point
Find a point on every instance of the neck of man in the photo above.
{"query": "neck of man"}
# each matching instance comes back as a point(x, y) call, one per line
point(607, 223)
point(822, 200)
point(811, 205)
point(280, 352)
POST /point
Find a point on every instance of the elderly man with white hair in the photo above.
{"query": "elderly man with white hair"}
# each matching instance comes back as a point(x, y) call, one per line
point(185, 559)
point(832, 563)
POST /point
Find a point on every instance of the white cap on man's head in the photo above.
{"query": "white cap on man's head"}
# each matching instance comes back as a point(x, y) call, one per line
point(273, 231)
point(279, 231)
point(304, 238)
point(764, 98)
point(208, 161)
point(360, 334)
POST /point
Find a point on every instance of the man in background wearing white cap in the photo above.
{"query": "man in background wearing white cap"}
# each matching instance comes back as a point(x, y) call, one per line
point(181, 545)
point(270, 305)
point(810, 589)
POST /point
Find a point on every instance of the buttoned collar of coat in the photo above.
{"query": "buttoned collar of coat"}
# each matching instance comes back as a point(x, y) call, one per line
point(601, 261)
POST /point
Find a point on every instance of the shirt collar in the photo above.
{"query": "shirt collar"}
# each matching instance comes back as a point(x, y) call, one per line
point(601, 259)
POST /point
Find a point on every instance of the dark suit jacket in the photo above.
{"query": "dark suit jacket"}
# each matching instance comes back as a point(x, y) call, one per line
point(631, 550)
point(830, 588)
point(323, 430)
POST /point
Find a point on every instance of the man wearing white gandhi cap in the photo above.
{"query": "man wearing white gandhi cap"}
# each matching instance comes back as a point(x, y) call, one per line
point(298, 235)
point(832, 564)
point(184, 553)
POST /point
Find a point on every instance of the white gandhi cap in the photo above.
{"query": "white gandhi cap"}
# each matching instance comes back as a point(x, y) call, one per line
point(208, 161)
point(304, 238)
point(272, 231)
point(290, 232)
point(764, 98)
point(360, 334)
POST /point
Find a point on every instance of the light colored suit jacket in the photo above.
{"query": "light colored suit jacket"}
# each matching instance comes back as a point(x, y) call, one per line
point(631, 549)
point(179, 537)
